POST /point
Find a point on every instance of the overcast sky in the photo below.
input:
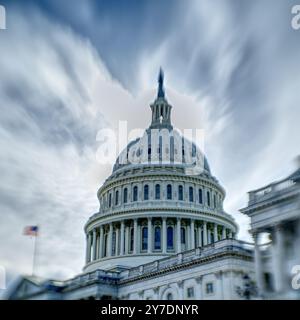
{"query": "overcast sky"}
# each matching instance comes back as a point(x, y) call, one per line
point(67, 70)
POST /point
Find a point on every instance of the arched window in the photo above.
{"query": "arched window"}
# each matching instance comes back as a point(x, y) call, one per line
point(212, 238)
point(144, 238)
point(180, 193)
point(135, 193)
point(191, 194)
point(160, 149)
point(172, 149)
point(117, 198)
point(146, 192)
point(170, 238)
point(109, 200)
point(208, 198)
point(157, 192)
point(131, 239)
point(200, 196)
point(169, 296)
point(105, 245)
point(182, 235)
point(114, 243)
point(125, 195)
point(169, 192)
point(157, 237)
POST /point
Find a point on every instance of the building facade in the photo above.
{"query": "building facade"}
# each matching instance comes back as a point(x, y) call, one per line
point(275, 212)
point(161, 231)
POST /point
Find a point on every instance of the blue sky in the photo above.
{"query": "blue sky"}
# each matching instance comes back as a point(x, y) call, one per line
point(231, 68)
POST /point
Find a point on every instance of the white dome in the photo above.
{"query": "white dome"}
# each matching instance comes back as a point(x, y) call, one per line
point(163, 147)
point(161, 199)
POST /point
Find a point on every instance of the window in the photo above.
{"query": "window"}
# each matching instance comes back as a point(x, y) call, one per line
point(160, 149)
point(169, 296)
point(191, 194)
point(114, 243)
point(215, 201)
point(105, 245)
point(169, 192)
point(135, 193)
point(212, 238)
point(125, 195)
point(146, 192)
point(157, 237)
point(190, 292)
point(109, 200)
point(208, 198)
point(117, 198)
point(172, 149)
point(182, 235)
point(131, 239)
point(170, 238)
point(180, 193)
point(157, 192)
point(200, 196)
point(144, 238)
point(209, 288)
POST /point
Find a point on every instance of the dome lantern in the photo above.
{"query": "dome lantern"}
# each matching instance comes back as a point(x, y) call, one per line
point(161, 109)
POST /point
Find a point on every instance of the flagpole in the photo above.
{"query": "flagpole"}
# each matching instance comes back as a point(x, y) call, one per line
point(34, 253)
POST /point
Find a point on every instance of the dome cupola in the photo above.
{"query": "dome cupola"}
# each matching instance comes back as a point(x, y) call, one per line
point(161, 109)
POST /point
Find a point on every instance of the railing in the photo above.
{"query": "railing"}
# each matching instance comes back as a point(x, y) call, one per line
point(270, 191)
point(188, 256)
point(229, 245)
point(149, 204)
point(105, 276)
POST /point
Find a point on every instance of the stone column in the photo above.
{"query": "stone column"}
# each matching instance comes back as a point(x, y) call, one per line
point(277, 256)
point(109, 239)
point(223, 233)
point(164, 235)
point(135, 236)
point(215, 232)
point(117, 241)
point(230, 234)
point(88, 248)
point(122, 238)
point(126, 240)
point(149, 242)
point(101, 242)
point(204, 233)
point(192, 237)
point(178, 229)
point(94, 244)
point(258, 265)
point(199, 237)
point(188, 237)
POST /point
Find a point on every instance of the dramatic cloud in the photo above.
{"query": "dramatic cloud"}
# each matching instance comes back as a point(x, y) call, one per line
point(230, 70)
point(53, 89)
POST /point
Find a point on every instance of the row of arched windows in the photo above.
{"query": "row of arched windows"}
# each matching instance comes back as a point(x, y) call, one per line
point(169, 195)
point(144, 239)
point(191, 150)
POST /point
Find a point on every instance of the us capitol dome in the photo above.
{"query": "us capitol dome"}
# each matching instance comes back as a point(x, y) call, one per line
point(161, 231)
point(160, 199)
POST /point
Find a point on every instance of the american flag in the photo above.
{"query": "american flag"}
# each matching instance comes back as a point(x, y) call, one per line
point(31, 231)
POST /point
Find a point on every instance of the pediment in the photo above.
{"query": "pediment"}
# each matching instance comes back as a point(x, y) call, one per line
point(26, 288)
